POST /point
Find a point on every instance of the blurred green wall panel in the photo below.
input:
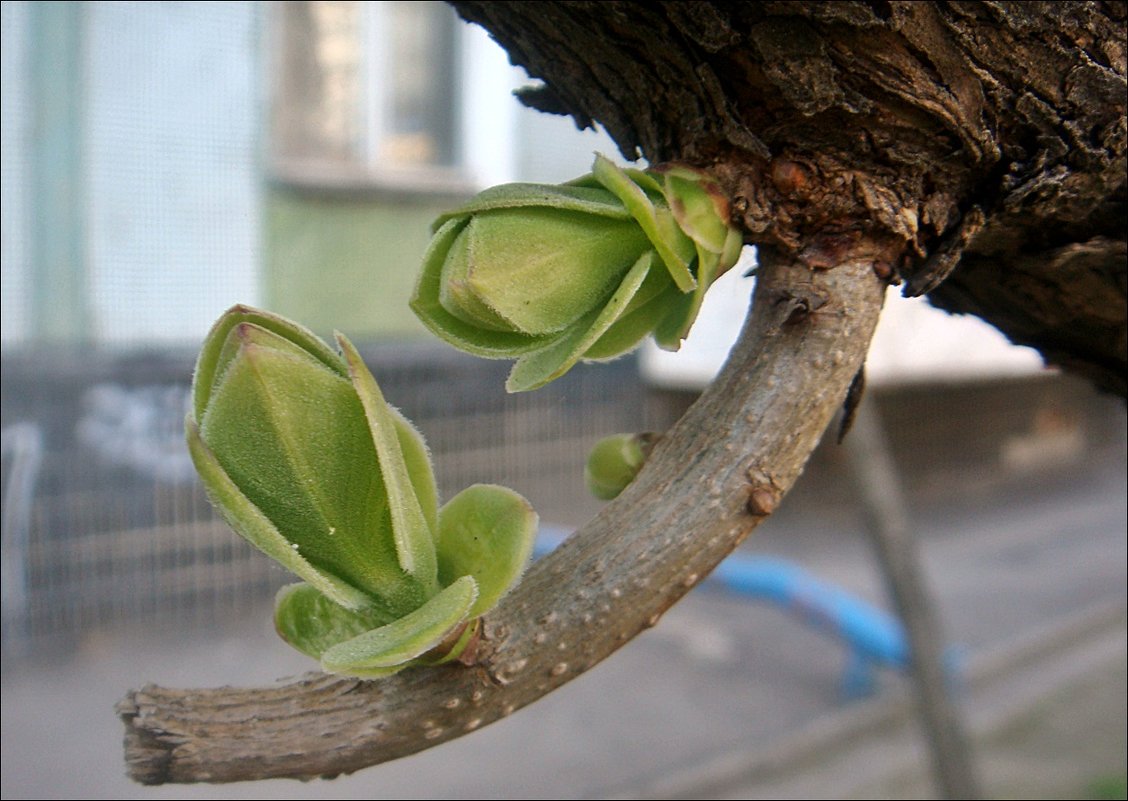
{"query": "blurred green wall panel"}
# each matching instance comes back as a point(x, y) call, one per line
point(339, 261)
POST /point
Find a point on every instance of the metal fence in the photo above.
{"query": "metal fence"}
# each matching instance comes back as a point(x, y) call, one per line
point(105, 523)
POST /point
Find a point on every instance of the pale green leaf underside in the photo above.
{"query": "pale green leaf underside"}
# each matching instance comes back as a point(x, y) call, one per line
point(485, 532)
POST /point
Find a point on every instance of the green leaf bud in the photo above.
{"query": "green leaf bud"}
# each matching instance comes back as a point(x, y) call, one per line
point(304, 458)
point(615, 461)
point(550, 275)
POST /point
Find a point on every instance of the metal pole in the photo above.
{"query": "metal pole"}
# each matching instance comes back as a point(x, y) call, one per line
point(897, 551)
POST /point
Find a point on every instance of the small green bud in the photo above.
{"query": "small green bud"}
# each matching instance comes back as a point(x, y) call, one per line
point(549, 275)
point(305, 459)
point(615, 461)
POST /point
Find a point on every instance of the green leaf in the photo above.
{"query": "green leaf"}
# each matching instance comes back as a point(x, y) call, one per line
point(540, 270)
point(524, 271)
point(613, 464)
point(446, 652)
point(417, 457)
point(675, 327)
point(669, 333)
point(427, 304)
point(292, 435)
point(633, 326)
point(246, 518)
point(456, 290)
point(679, 318)
point(485, 532)
point(208, 364)
point(730, 253)
point(389, 648)
point(411, 532)
point(698, 211)
point(586, 197)
point(534, 370)
point(674, 247)
point(649, 306)
point(313, 623)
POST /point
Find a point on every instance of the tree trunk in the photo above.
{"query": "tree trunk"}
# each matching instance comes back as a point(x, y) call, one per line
point(988, 137)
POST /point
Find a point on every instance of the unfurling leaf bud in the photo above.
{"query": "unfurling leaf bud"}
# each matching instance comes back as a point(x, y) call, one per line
point(615, 461)
point(549, 275)
point(305, 459)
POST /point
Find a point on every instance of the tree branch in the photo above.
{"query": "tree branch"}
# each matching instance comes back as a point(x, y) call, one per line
point(707, 484)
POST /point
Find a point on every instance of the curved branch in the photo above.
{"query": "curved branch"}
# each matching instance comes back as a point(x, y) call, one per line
point(711, 479)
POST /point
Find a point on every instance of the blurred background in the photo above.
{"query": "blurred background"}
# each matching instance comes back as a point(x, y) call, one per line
point(163, 161)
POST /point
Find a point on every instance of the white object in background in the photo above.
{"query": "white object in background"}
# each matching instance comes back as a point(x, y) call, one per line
point(914, 342)
point(488, 110)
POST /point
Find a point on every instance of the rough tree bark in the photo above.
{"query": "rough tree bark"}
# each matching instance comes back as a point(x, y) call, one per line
point(974, 149)
point(985, 136)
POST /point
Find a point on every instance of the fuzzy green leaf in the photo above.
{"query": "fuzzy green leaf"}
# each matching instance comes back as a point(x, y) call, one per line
point(391, 647)
point(249, 521)
point(590, 198)
point(427, 303)
point(649, 306)
point(539, 270)
point(293, 436)
point(485, 532)
point(313, 623)
point(613, 464)
point(209, 367)
point(537, 369)
point(671, 244)
point(417, 457)
point(537, 273)
point(414, 540)
point(697, 210)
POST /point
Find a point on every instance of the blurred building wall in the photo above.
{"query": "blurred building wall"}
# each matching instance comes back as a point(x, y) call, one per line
point(131, 198)
point(162, 161)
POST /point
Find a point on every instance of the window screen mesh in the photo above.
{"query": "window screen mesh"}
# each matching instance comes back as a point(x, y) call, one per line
point(135, 148)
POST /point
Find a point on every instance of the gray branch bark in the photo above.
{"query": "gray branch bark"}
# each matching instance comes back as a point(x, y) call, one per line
point(707, 484)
